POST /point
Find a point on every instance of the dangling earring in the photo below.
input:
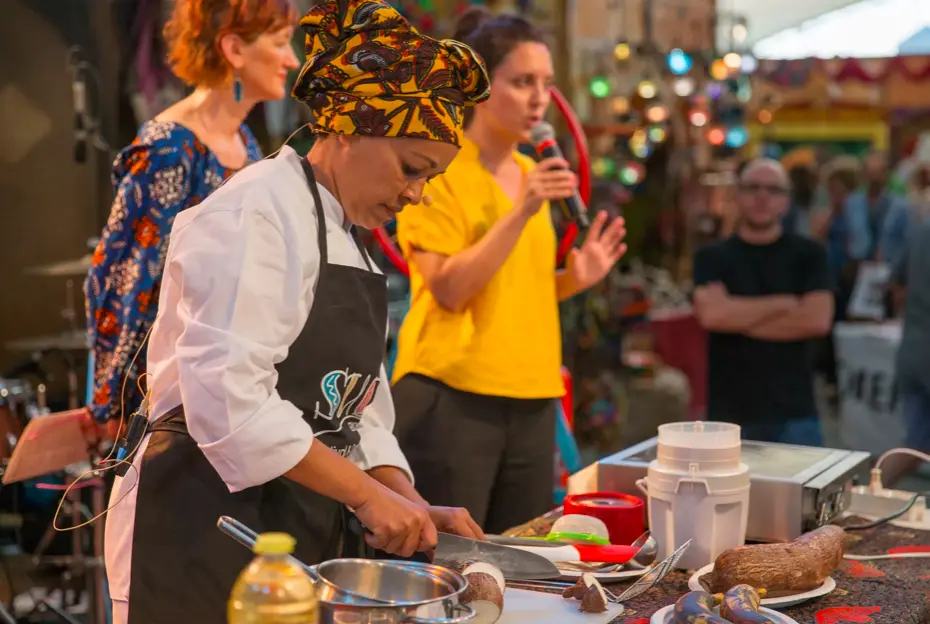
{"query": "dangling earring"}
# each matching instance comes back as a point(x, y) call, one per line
point(237, 88)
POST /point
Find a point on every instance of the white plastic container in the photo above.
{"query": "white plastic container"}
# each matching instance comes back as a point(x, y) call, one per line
point(697, 489)
point(714, 446)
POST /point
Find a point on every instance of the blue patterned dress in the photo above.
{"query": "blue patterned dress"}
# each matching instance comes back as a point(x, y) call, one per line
point(165, 170)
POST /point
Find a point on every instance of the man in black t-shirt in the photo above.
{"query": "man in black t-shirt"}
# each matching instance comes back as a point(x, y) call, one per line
point(762, 295)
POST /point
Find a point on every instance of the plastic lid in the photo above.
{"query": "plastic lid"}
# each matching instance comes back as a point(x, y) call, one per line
point(700, 434)
point(578, 538)
point(274, 544)
point(579, 528)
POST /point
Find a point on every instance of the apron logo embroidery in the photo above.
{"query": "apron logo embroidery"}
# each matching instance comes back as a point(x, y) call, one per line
point(346, 451)
point(346, 399)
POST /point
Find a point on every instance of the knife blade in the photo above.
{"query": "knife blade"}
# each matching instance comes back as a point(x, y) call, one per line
point(513, 563)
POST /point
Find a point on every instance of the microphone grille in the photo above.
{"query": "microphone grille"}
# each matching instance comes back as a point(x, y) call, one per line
point(543, 131)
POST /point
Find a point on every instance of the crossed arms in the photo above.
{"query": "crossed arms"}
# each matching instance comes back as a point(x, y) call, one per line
point(772, 317)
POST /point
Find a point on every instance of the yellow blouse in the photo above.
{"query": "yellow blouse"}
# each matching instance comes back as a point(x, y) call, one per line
point(507, 341)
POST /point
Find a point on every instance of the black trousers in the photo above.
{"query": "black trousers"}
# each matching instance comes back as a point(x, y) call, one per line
point(491, 455)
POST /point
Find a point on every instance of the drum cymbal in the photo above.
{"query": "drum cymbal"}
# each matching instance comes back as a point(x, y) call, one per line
point(68, 268)
point(68, 341)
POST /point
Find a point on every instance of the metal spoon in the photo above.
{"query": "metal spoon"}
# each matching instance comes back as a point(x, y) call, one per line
point(648, 551)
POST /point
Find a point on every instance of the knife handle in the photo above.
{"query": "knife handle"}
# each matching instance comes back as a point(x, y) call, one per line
point(355, 526)
point(605, 554)
point(584, 553)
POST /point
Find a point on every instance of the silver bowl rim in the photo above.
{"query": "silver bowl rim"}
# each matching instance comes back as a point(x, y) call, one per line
point(436, 572)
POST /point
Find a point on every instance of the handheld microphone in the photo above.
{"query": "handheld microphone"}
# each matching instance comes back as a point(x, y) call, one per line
point(79, 95)
point(543, 138)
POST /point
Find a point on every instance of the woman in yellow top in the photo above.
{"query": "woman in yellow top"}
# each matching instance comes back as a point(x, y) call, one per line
point(479, 353)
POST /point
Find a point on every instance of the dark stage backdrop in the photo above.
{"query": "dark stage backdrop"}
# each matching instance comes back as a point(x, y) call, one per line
point(50, 205)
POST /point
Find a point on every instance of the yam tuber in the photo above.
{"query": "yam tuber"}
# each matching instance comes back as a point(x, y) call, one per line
point(594, 599)
point(799, 566)
point(485, 592)
point(576, 591)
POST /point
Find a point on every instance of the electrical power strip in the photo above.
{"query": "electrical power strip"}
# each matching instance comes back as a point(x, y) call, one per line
point(871, 506)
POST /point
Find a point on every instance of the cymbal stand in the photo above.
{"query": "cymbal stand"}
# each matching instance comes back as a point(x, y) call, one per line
point(98, 589)
point(45, 605)
point(41, 400)
point(70, 314)
point(5, 616)
point(71, 364)
point(77, 564)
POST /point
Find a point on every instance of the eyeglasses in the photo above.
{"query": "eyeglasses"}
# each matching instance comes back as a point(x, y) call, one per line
point(771, 189)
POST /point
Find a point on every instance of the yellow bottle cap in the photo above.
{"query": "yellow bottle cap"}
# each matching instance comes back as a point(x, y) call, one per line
point(274, 544)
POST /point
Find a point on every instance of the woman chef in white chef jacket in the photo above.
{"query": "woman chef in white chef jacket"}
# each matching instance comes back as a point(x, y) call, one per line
point(269, 401)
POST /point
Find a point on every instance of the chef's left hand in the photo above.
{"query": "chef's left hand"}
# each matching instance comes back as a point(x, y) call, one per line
point(455, 520)
point(601, 250)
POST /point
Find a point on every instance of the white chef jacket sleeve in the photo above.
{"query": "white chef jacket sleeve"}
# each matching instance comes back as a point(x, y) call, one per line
point(378, 446)
point(240, 284)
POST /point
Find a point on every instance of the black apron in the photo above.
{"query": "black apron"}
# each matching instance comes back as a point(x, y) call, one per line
point(183, 567)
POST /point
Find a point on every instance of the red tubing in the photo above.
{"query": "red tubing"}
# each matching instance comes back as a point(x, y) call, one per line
point(584, 167)
point(581, 144)
point(391, 251)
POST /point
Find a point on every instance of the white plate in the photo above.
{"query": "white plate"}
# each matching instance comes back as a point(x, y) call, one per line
point(664, 615)
point(775, 603)
point(603, 576)
point(530, 607)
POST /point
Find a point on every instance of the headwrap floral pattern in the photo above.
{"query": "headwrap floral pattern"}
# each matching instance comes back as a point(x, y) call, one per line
point(368, 72)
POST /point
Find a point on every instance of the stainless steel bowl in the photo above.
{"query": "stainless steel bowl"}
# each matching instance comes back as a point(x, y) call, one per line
point(400, 592)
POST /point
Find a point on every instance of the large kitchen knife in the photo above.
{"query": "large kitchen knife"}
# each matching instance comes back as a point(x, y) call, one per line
point(514, 563)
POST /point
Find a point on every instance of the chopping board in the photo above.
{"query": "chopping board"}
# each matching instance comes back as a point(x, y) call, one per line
point(522, 607)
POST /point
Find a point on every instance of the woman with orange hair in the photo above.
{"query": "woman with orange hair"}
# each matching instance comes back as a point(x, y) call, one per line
point(235, 54)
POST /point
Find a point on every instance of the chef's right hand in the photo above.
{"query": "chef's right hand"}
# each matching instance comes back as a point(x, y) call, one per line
point(396, 525)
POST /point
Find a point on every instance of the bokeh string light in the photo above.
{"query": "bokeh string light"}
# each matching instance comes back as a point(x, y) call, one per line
point(645, 92)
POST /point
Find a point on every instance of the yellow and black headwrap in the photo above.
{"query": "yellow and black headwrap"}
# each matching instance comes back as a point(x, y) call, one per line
point(369, 72)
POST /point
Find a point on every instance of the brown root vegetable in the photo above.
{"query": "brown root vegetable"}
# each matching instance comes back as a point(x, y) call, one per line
point(485, 592)
point(576, 591)
point(593, 601)
point(486, 568)
point(799, 566)
point(740, 605)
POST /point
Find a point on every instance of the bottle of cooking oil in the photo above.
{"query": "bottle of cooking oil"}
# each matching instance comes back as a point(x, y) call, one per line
point(273, 589)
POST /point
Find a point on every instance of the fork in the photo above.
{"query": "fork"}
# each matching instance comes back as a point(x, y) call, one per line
point(647, 581)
